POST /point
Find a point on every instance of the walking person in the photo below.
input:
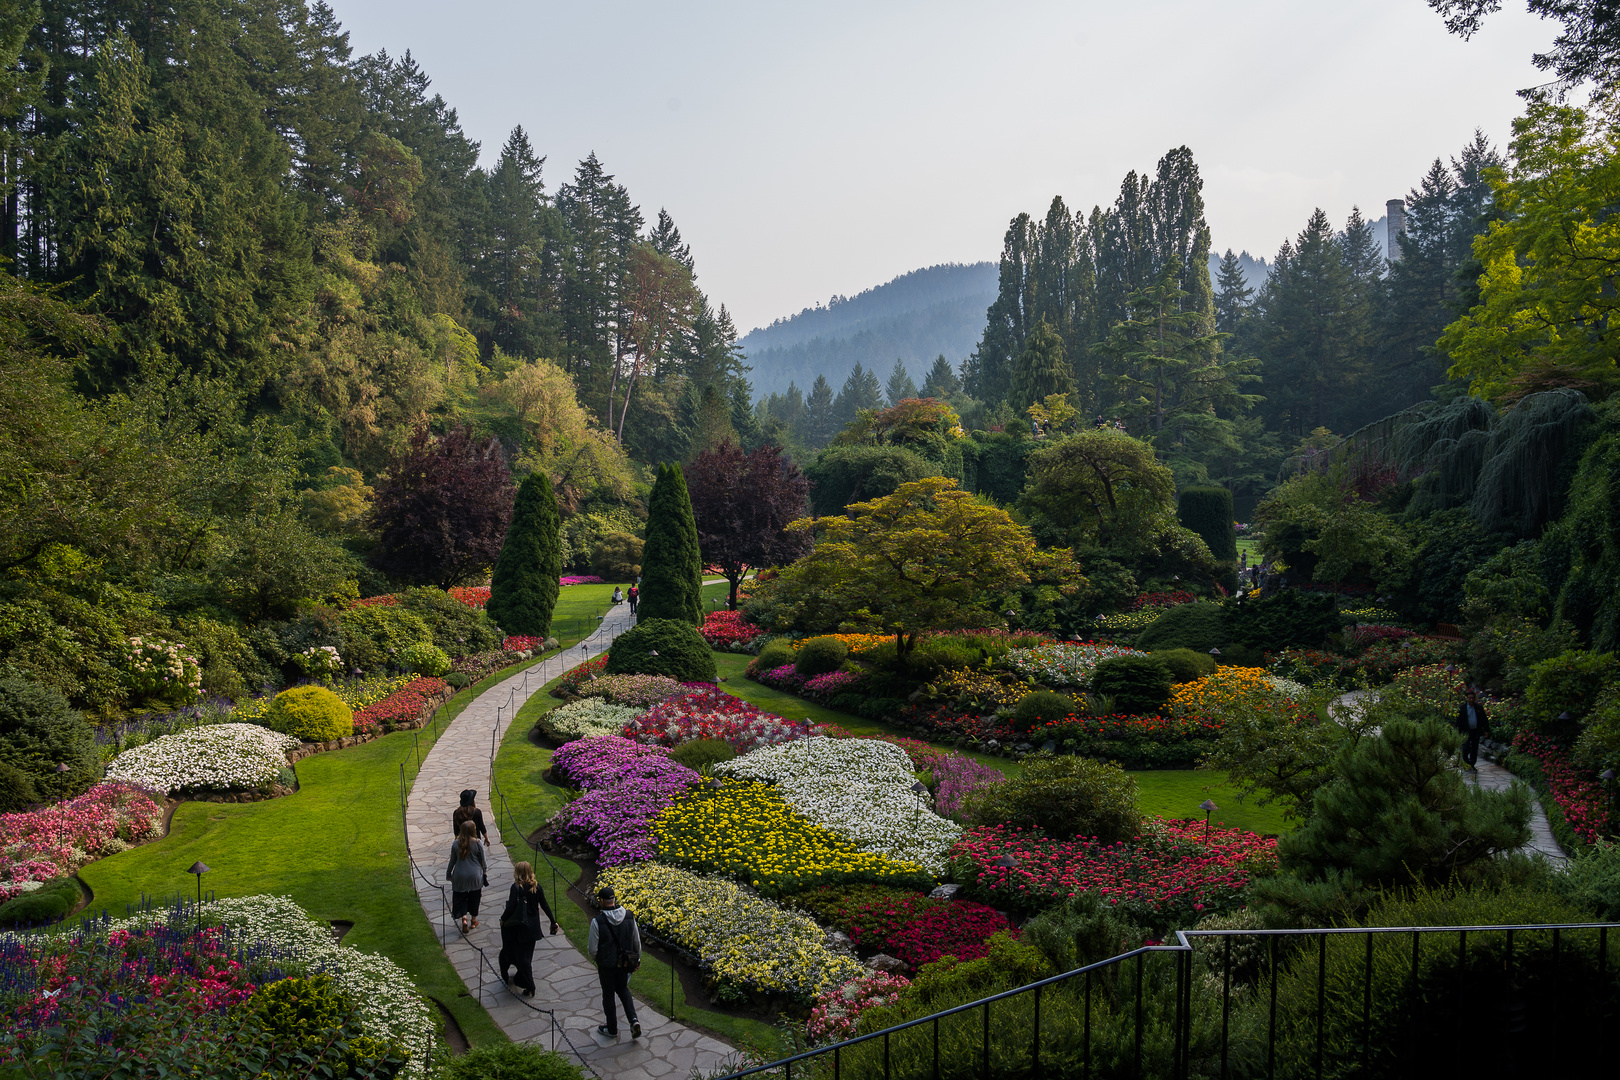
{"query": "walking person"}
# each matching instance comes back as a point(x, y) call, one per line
point(615, 945)
point(1473, 723)
point(468, 874)
point(633, 595)
point(520, 926)
point(468, 811)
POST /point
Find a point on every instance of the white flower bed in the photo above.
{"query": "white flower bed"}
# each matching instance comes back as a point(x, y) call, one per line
point(861, 789)
point(588, 717)
point(388, 1002)
point(216, 757)
point(1058, 664)
point(1289, 688)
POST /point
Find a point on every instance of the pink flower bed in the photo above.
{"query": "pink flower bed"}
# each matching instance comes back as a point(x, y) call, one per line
point(710, 713)
point(722, 629)
point(522, 643)
point(56, 840)
point(1577, 792)
point(580, 579)
point(837, 1011)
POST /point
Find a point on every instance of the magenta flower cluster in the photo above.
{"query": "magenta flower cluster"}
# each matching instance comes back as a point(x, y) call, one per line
point(56, 840)
point(711, 713)
point(958, 776)
point(626, 785)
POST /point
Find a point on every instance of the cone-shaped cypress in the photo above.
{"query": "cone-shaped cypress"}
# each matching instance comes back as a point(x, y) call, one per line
point(671, 568)
point(1207, 511)
point(523, 590)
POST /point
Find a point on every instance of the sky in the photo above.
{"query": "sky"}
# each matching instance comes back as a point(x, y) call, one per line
point(807, 150)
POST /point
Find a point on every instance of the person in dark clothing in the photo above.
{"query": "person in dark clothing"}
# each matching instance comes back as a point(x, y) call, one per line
point(520, 926)
point(633, 595)
point(468, 874)
point(1473, 723)
point(468, 811)
point(615, 945)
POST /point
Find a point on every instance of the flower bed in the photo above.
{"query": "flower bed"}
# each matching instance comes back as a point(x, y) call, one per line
point(950, 724)
point(1437, 686)
point(740, 940)
point(1162, 600)
point(1228, 688)
point(642, 691)
point(580, 579)
point(220, 757)
point(1382, 660)
point(981, 690)
point(474, 596)
point(746, 830)
point(1059, 664)
point(957, 778)
point(1168, 876)
point(909, 926)
point(1136, 742)
point(606, 760)
point(54, 841)
point(713, 714)
point(585, 718)
point(1311, 667)
point(838, 1011)
point(405, 706)
point(1128, 622)
point(729, 631)
point(576, 676)
point(617, 820)
point(1364, 635)
point(1578, 795)
point(476, 665)
point(522, 643)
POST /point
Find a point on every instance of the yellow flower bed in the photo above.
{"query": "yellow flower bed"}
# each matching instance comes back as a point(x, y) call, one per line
point(856, 643)
point(744, 830)
point(982, 690)
point(356, 694)
point(740, 938)
point(1228, 688)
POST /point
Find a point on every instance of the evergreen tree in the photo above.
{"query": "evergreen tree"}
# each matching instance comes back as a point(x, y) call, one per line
point(820, 424)
point(860, 391)
point(899, 387)
point(671, 567)
point(1041, 369)
point(941, 382)
point(666, 240)
point(987, 374)
point(712, 423)
point(523, 587)
point(1233, 294)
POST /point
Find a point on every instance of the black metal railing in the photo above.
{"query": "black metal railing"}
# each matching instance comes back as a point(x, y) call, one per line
point(1362, 1001)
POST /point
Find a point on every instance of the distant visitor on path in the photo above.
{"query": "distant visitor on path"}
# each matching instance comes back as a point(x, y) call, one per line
point(633, 595)
point(615, 945)
point(468, 874)
point(468, 811)
point(520, 927)
point(618, 594)
point(1473, 723)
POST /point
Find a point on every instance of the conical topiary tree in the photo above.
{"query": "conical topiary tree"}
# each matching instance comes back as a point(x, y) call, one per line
point(671, 568)
point(523, 590)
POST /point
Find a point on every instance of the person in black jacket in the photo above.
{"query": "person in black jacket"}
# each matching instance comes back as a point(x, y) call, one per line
point(615, 944)
point(520, 926)
point(1473, 723)
point(468, 811)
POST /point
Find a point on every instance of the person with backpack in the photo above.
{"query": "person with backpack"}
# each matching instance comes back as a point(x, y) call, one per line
point(520, 926)
point(615, 945)
point(633, 595)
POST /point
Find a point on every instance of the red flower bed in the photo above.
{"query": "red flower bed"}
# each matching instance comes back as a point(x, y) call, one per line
point(1163, 599)
point(576, 677)
point(948, 723)
point(386, 600)
point(1168, 875)
point(919, 930)
point(522, 643)
point(1363, 636)
point(474, 596)
point(726, 628)
point(709, 713)
point(1578, 793)
point(404, 706)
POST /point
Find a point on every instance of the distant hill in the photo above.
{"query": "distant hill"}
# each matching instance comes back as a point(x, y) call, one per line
point(1254, 270)
point(915, 317)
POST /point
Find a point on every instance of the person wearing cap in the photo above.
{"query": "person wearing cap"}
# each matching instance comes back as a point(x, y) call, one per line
point(615, 945)
point(468, 811)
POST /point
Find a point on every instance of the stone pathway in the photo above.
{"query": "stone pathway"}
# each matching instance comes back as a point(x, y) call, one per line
point(1491, 777)
point(565, 981)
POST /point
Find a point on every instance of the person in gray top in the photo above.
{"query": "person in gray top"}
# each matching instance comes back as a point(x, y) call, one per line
point(468, 874)
point(615, 944)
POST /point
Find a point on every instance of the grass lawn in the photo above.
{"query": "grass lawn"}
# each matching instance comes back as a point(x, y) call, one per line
point(1176, 793)
point(531, 802)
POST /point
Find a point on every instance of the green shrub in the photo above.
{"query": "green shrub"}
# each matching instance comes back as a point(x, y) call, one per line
point(53, 901)
point(374, 637)
point(701, 753)
point(775, 654)
point(820, 655)
point(1066, 796)
point(1207, 511)
point(841, 475)
point(310, 713)
point(425, 659)
point(313, 1013)
point(1569, 682)
point(1186, 665)
point(1138, 684)
point(510, 1061)
point(1082, 930)
point(1041, 707)
point(617, 557)
point(1289, 619)
point(1199, 627)
point(39, 732)
point(17, 790)
point(1591, 881)
point(682, 654)
point(456, 628)
point(934, 657)
point(458, 679)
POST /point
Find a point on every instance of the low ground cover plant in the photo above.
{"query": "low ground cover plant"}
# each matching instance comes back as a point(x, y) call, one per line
point(713, 714)
point(585, 718)
point(1062, 664)
point(49, 842)
point(837, 1012)
point(1136, 742)
point(640, 691)
point(221, 757)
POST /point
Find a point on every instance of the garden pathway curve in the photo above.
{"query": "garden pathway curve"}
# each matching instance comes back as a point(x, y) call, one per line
point(1491, 777)
point(566, 982)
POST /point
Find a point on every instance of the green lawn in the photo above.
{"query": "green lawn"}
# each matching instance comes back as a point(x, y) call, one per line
point(1176, 793)
point(531, 802)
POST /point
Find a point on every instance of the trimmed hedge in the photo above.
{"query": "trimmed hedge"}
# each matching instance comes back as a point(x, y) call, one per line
point(699, 753)
point(820, 655)
point(1041, 707)
point(523, 586)
point(311, 714)
point(1186, 665)
point(682, 654)
point(40, 731)
point(1207, 511)
point(1200, 627)
point(1138, 684)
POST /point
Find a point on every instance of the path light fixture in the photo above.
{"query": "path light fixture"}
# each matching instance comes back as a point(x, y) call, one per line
point(1007, 861)
point(922, 789)
point(1208, 807)
point(1215, 652)
point(62, 767)
point(198, 868)
point(652, 652)
point(1607, 774)
point(1565, 716)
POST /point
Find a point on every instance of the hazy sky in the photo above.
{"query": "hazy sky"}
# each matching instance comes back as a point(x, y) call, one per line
point(825, 147)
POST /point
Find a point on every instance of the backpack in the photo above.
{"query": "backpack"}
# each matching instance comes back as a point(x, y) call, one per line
point(614, 950)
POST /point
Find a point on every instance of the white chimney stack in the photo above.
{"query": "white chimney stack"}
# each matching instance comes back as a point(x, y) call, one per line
point(1395, 209)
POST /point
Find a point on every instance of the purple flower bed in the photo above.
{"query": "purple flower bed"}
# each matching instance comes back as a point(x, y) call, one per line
point(626, 785)
point(957, 776)
point(822, 688)
point(782, 678)
point(580, 579)
point(834, 682)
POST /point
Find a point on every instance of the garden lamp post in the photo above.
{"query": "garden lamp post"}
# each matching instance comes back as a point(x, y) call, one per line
point(1607, 776)
point(198, 868)
point(1208, 807)
point(1007, 861)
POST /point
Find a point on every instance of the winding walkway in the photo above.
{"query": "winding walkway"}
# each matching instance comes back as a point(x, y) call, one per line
point(566, 982)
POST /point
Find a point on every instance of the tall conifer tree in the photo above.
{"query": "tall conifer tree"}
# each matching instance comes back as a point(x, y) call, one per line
point(1232, 293)
point(523, 587)
point(671, 566)
point(900, 385)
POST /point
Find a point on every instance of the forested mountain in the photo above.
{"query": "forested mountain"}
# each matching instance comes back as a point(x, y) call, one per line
point(916, 317)
point(1254, 270)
